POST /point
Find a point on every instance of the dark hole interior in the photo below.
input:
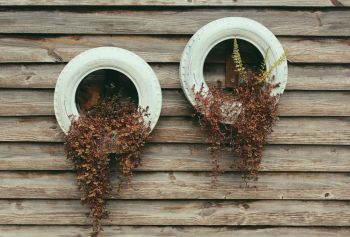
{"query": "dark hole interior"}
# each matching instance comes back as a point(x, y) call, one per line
point(218, 66)
point(104, 83)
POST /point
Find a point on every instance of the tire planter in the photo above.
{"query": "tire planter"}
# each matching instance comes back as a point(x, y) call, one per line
point(203, 41)
point(124, 61)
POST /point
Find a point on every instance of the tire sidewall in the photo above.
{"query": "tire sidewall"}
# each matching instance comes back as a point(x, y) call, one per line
point(124, 61)
point(203, 41)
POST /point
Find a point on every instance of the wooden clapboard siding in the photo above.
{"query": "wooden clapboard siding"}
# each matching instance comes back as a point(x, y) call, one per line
point(183, 185)
point(174, 231)
point(286, 131)
point(300, 77)
point(145, 3)
point(183, 157)
point(332, 131)
point(156, 48)
point(40, 102)
point(181, 212)
point(303, 185)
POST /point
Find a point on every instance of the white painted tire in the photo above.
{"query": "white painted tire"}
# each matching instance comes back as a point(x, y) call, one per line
point(124, 61)
point(203, 41)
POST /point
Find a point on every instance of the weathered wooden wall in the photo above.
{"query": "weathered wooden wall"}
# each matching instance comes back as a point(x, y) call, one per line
point(304, 186)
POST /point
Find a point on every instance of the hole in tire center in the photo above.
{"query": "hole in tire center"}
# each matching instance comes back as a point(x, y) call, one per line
point(101, 84)
point(218, 68)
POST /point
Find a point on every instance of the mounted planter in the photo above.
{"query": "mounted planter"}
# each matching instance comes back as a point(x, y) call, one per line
point(204, 40)
point(112, 127)
point(237, 119)
point(121, 60)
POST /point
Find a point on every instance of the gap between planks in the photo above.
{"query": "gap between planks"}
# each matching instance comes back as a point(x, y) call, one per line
point(173, 231)
point(187, 3)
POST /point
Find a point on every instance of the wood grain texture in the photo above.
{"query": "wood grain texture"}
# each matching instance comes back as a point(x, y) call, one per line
point(16, 102)
point(286, 131)
point(299, 77)
point(174, 231)
point(183, 157)
point(320, 23)
point(331, 131)
point(306, 162)
point(158, 212)
point(221, 3)
point(163, 49)
point(183, 185)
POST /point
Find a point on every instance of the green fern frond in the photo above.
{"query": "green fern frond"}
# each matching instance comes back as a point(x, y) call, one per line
point(262, 66)
point(237, 60)
point(265, 74)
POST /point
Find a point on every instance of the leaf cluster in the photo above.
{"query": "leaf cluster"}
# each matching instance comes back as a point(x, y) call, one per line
point(253, 118)
point(112, 129)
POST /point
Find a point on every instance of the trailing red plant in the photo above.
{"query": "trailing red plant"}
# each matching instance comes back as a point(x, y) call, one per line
point(244, 128)
point(112, 129)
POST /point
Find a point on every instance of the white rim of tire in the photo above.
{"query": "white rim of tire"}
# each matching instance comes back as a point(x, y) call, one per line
point(215, 32)
point(121, 60)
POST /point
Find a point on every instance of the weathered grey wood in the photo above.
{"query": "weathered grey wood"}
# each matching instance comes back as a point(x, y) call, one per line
point(306, 47)
point(183, 157)
point(188, 231)
point(299, 77)
point(21, 102)
point(318, 78)
point(30, 129)
point(156, 48)
point(172, 167)
point(332, 131)
point(158, 212)
point(40, 102)
point(29, 75)
point(221, 3)
point(314, 104)
point(320, 23)
point(183, 185)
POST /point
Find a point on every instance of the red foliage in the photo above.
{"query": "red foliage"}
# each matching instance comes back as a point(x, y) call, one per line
point(252, 124)
point(112, 129)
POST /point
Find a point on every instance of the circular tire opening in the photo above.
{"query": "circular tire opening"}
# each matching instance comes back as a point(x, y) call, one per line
point(219, 68)
point(111, 67)
point(104, 83)
point(213, 35)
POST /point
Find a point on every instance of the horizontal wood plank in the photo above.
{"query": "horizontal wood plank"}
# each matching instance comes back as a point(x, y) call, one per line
point(183, 185)
point(310, 155)
point(157, 212)
point(40, 102)
point(221, 3)
point(183, 157)
point(299, 77)
point(320, 23)
point(174, 231)
point(156, 48)
point(332, 131)
point(294, 103)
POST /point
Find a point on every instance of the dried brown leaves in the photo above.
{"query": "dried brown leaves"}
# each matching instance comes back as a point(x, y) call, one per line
point(248, 134)
point(113, 129)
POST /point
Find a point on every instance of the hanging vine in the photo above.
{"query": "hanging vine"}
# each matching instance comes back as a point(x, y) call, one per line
point(113, 129)
point(253, 120)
